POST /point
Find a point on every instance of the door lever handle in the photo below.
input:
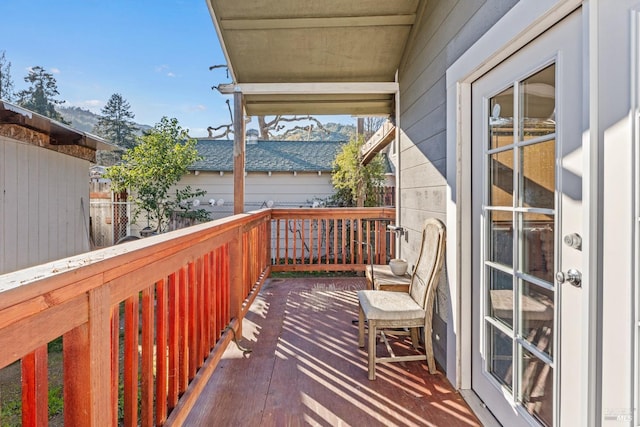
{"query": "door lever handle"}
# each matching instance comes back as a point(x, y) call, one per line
point(572, 276)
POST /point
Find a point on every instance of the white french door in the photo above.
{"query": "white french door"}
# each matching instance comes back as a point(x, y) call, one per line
point(527, 118)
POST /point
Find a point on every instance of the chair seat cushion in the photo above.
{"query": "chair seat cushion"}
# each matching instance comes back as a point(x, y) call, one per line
point(389, 305)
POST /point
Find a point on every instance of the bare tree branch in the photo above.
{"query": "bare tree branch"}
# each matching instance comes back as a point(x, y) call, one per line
point(228, 127)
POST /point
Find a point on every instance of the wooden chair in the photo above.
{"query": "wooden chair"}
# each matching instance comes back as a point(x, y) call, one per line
point(384, 309)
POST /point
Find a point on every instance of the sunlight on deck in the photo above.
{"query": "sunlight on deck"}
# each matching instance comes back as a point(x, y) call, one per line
point(306, 368)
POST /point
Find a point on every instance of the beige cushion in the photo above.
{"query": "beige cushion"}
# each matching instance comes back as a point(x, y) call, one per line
point(389, 305)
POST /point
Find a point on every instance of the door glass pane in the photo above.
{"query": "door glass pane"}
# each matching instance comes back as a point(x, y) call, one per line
point(538, 104)
point(536, 309)
point(501, 238)
point(520, 231)
point(536, 240)
point(501, 296)
point(501, 175)
point(537, 177)
point(501, 119)
point(536, 387)
point(500, 359)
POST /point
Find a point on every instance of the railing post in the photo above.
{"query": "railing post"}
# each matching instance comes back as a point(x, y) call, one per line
point(87, 362)
point(236, 277)
point(239, 148)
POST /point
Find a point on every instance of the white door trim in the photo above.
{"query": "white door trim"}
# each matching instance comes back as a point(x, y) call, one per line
point(635, 123)
point(523, 23)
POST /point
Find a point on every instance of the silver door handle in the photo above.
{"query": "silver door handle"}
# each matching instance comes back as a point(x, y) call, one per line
point(572, 276)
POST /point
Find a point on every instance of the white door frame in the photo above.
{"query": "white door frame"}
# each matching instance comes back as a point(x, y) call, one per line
point(523, 23)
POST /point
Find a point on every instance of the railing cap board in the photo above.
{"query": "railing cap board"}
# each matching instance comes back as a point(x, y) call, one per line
point(38, 280)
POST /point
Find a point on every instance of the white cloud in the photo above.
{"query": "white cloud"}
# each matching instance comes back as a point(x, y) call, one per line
point(161, 68)
point(170, 74)
point(198, 107)
point(55, 70)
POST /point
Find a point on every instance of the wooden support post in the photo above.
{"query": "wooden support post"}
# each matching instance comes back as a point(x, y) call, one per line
point(87, 359)
point(238, 153)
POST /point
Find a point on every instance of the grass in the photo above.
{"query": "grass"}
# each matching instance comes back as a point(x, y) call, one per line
point(11, 390)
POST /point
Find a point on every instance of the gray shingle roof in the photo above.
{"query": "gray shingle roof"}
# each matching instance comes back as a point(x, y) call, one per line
point(265, 156)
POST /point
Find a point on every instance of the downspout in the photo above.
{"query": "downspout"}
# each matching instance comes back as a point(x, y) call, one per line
point(396, 143)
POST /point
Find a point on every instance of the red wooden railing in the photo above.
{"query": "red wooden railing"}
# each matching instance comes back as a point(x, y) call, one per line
point(330, 239)
point(145, 323)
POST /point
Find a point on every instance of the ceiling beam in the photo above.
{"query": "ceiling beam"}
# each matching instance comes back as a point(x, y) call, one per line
point(365, 108)
point(324, 22)
point(357, 88)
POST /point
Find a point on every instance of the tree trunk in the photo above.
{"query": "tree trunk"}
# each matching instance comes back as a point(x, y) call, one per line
point(264, 131)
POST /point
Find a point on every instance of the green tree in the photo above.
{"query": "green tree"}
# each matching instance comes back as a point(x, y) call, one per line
point(6, 83)
point(152, 167)
point(116, 122)
point(40, 96)
point(355, 183)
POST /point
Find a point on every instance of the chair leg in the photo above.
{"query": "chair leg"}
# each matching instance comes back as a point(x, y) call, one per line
point(360, 328)
point(428, 348)
point(415, 341)
point(372, 350)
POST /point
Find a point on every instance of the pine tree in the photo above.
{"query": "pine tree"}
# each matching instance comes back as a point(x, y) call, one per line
point(6, 84)
point(116, 122)
point(40, 96)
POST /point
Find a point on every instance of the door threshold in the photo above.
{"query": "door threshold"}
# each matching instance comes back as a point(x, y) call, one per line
point(479, 408)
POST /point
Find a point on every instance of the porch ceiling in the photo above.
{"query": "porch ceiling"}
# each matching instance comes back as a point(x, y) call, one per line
point(303, 42)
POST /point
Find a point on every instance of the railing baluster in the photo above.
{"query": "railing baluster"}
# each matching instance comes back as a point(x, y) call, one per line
point(115, 361)
point(208, 306)
point(192, 311)
point(146, 414)
point(35, 395)
point(183, 331)
point(173, 341)
point(131, 331)
point(161, 351)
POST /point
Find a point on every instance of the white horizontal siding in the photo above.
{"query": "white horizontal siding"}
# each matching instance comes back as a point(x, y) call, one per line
point(447, 29)
point(284, 189)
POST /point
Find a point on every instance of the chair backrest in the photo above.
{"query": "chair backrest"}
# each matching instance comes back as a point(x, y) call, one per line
point(427, 271)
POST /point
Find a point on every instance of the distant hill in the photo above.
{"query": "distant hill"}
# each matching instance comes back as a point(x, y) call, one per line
point(85, 120)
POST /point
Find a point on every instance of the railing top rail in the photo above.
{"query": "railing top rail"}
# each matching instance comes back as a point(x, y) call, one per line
point(114, 261)
point(364, 213)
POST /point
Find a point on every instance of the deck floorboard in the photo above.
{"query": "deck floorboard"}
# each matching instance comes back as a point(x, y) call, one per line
point(305, 368)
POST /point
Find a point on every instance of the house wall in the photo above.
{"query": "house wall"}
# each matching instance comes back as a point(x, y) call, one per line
point(285, 189)
point(446, 30)
point(44, 205)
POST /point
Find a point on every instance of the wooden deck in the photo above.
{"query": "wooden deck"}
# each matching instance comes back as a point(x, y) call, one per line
point(305, 368)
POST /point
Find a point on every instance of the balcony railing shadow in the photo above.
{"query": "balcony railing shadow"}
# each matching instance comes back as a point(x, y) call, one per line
point(144, 324)
point(305, 368)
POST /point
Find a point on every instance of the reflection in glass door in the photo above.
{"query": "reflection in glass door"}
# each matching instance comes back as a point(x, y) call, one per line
point(519, 211)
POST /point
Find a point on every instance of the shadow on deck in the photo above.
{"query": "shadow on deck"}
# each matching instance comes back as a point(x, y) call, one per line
point(305, 368)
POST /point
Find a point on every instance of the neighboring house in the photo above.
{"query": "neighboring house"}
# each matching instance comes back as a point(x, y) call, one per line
point(517, 125)
point(44, 193)
point(278, 174)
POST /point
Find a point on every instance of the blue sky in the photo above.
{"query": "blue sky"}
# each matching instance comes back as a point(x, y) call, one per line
point(155, 53)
